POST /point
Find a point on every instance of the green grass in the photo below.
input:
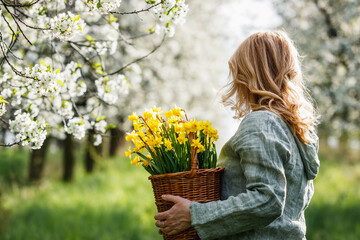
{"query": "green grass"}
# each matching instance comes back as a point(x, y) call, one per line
point(116, 202)
point(113, 203)
point(334, 212)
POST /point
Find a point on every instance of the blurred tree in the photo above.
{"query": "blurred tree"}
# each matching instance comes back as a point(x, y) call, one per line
point(68, 158)
point(93, 153)
point(37, 162)
point(327, 33)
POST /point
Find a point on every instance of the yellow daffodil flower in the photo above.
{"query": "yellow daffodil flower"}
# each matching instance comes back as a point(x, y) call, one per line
point(193, 125)
point(201, 148)
point(148, 115)
point(158, 141)
point(181, 138)
point(133, 117)
point(173, 120)
point(187, 127)
point(176, 112)
point(169, 114)
point(201, 125)
point(157, 110)
point(128, 153)
point(168, 144)
point(131, 136)
point(179, 127)
point(145, 163)
point(137, 126)
point(150, 140)
point(196, 144)
point(135, 161)
point(154, 124)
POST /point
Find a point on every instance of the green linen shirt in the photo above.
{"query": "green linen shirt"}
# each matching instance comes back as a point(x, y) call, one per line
point(266, 186)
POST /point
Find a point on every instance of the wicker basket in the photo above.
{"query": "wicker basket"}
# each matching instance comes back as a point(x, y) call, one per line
point(201, 185)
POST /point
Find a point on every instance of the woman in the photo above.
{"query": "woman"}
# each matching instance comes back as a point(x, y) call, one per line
point(270, 162)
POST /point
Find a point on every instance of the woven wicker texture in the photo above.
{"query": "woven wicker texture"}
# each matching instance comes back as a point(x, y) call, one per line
point(201, 185)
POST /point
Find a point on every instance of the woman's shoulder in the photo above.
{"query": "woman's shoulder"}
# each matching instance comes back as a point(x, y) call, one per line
point(264, 125)
point(261, 128)
point(262, 120)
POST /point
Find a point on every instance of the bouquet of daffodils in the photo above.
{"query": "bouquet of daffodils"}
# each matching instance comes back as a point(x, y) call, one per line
point(162, 142)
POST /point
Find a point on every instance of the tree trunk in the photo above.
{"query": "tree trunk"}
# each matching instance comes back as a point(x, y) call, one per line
point(117, 140)
point(93, 153)
point(37, 162)
point(68, 158)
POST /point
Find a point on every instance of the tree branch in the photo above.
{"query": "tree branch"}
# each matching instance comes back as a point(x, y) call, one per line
point(139, 59)
point(139, 11)
point(10, 145)
point(332, 32)
point(17, 72)
point(20, 5)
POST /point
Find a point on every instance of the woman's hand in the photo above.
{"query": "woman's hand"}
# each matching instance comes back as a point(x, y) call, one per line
point(177, 218)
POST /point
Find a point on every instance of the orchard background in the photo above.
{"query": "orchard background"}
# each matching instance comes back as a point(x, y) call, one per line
point(72, 71)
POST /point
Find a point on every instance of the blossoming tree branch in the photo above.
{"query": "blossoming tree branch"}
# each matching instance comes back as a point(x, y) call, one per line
point(62, 62)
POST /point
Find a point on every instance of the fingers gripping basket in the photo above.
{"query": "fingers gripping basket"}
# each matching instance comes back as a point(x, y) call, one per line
point(201, 185)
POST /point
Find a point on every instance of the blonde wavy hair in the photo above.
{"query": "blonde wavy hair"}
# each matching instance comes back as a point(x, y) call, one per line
point(266, 75)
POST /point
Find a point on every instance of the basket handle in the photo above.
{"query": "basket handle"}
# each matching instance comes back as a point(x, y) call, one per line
point(193, 160)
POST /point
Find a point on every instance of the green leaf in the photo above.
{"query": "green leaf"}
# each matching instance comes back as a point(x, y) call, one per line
point(76, 18)
point(151, 29)
point(112, 18)
point(2, 100)
point(99, 5)
point(60, 83)
point(57, 70)
point(107, 90)
point(43, 11)
point(96, 64)
point(99, 71)
point(90, 39)
point(43, 63)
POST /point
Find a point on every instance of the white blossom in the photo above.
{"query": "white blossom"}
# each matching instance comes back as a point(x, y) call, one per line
point(47, 82)
point(110, 89)
point(4, 78)
point(66, 109)
point(28, 131)
point(66, 25)
point(77, 127)
point(170, 13)
point(72, 86)
point(97, 139)
point(2, 109)
point(103, 6)
point(101, 126)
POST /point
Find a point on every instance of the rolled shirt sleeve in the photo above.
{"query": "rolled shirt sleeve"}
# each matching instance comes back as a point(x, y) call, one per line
point(262, 146)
